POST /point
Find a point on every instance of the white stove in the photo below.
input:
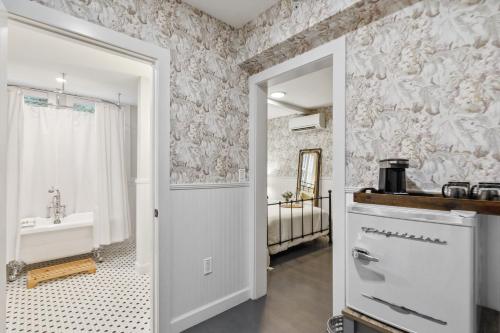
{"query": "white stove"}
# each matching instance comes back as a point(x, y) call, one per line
point(413, 268)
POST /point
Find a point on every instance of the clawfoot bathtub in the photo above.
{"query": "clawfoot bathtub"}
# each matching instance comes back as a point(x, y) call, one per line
point(39, 240)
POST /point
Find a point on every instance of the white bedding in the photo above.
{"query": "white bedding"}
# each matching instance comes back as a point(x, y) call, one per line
point(314, 217)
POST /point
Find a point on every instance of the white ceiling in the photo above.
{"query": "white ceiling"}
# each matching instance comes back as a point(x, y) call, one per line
point(37, 57)
point(276, 110)
point(310, 91)
point(233, 12)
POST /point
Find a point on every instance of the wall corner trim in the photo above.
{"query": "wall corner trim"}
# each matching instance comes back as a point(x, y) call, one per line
point(209, 310)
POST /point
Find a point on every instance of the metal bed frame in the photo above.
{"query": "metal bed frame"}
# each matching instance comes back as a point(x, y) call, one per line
point(290, 237)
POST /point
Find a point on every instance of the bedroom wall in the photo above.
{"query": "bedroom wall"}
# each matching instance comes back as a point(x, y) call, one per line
point(422, 83)
point(284, 145)
point(283, 154)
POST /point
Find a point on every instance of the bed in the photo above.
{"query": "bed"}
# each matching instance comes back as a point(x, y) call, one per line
point(295, 222)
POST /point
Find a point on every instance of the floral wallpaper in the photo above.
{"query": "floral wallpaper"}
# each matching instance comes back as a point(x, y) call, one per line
point(424, 84)
point(283, 146)
point(209, 103)
point(422, 80)
point(283, 32)
point(284, 20)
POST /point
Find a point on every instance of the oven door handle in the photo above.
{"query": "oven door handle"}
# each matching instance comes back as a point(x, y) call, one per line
point(362, 254)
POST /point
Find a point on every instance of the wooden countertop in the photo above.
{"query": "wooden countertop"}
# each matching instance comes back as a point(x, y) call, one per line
point(429, 201)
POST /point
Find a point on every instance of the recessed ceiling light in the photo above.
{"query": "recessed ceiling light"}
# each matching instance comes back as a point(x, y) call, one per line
point(60, 79)
point(278, 94)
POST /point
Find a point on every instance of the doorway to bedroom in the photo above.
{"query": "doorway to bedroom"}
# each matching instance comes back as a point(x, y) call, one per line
point(299, 187)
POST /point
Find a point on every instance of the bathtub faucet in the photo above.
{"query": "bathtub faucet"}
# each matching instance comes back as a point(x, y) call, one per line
point(56, 207)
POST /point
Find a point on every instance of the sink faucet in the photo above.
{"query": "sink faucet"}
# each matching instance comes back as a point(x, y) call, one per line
point(56, 206)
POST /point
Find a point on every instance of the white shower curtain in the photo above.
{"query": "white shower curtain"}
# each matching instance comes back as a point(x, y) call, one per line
point(14, 151)
point(112, 209)
point(81, 153)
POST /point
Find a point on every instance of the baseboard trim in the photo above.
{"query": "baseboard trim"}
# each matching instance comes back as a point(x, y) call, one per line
point(143, 268)
point(209, 310)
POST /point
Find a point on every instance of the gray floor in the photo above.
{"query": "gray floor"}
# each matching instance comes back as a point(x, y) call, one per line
point(299, 297)
point(489, 320)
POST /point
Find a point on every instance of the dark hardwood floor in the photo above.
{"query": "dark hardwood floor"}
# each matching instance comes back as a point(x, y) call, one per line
point(489, 320)
point(299, 298)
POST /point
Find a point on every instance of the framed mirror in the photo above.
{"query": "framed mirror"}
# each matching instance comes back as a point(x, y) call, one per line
point(308, 174)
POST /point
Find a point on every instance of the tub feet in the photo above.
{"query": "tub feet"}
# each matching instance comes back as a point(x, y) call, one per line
point(14, 269)
point(97, 253)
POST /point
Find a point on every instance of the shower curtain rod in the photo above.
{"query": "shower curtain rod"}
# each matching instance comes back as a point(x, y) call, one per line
point(88, 98)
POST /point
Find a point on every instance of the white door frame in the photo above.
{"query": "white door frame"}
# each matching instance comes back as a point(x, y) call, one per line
point(333, 52)
point(74, 28)
point(3, 160)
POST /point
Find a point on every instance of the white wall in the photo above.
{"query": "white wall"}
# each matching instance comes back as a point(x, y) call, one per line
point(143, 182)
point(131, 145)
point(3, 154)
point(208, 222)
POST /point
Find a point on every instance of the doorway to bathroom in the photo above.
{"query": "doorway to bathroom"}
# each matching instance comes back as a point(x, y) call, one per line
point(81, 162)
point(76, 115)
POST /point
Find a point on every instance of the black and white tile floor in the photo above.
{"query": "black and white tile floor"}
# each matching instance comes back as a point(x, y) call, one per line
point(114, 300)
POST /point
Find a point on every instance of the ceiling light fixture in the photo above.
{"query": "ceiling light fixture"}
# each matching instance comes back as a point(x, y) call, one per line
point(278, 94)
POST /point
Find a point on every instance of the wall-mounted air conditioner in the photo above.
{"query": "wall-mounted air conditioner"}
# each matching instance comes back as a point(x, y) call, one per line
point(305, 123)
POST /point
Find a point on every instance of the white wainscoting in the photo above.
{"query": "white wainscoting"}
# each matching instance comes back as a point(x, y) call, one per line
point(208, 221)
point(132, 205)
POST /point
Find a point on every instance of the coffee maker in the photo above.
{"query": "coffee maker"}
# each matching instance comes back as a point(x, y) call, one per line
point(392, 175)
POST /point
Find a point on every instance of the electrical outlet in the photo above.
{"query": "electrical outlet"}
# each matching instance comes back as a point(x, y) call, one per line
point(207, 266)
point(242, 175)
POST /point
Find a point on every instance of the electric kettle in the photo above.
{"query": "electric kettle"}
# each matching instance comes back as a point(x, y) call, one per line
point(456, 190)
point(485, 191)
